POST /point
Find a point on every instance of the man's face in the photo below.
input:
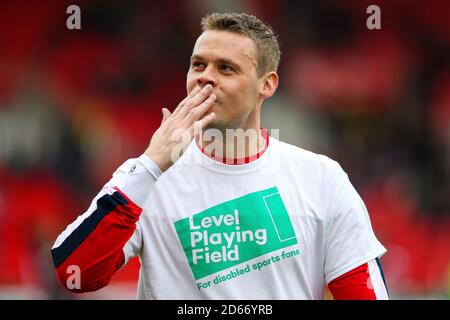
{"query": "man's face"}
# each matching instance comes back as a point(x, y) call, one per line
point(227, 61)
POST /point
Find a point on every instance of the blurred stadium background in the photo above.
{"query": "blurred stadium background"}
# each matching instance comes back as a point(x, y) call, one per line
point(75, 104)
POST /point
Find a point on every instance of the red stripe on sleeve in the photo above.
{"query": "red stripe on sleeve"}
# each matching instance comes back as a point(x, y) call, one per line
point(353, 285)
point(100, 255)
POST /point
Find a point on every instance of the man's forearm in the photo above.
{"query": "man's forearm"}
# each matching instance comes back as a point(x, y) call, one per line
point(93, 244)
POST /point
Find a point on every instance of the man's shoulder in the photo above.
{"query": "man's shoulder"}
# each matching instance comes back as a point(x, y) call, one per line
point(292, 152)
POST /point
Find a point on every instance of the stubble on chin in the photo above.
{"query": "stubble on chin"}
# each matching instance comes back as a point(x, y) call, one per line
point(221, 125)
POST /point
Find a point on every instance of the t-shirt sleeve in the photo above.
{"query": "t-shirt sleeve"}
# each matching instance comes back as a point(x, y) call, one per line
point(349, 238)
point(102, 239)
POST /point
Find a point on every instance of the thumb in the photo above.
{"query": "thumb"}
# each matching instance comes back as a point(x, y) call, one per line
point(166, 114)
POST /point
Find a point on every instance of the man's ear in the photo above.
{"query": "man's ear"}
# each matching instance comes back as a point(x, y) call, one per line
point(269, 84)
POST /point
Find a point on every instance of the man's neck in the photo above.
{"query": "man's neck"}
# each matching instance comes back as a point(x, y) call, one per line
point(233, 146)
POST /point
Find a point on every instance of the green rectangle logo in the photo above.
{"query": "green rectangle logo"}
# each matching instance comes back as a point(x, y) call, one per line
point(281, 221)
point(235, 231)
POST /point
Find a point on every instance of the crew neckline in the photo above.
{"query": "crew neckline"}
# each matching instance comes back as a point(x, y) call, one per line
point(250, 164)
point(239, 161)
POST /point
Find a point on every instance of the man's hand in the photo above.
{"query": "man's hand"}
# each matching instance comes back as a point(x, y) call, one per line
point(176, 126)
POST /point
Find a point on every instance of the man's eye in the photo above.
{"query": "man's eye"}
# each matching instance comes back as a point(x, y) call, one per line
point(224, 67)
point(197, 65)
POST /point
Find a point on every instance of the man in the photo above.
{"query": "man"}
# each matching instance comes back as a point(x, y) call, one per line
point(240, 215)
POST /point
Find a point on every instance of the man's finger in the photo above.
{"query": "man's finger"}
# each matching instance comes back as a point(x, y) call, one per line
point(183, 102)
point(195, 101)
point(196, 113)
point(199, 125)
point(166, 114)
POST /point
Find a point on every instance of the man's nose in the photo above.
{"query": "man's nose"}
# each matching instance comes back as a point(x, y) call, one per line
point(207, 77)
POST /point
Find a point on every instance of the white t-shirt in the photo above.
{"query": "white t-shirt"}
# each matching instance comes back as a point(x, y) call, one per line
point(279, 227)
